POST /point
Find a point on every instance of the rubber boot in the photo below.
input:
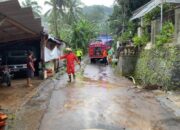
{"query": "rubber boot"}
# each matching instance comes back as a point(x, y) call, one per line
point(69, 78)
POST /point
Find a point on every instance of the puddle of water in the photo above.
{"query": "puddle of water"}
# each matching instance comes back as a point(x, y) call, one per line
point(72, 103)
point(99, 83)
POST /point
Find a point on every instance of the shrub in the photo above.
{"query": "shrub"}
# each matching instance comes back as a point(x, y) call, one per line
point(166, 34)
point(125, 36)
point(137, 40)
point(159, 66)
point(140, 41)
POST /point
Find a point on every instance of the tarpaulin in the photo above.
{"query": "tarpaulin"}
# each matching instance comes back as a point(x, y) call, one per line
point(51, 54)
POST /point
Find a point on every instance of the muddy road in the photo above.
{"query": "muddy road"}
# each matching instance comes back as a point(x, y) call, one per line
point(99, 100)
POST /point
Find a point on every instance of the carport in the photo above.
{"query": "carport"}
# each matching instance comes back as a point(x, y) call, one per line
point(20, 31)
point(18, 23)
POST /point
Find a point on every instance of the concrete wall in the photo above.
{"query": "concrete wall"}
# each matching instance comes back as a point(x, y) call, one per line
point(177, 25)
point(176, 71)
point(155, 30)
point(126, 65)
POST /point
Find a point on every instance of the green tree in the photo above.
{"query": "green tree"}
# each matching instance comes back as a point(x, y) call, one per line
point(74, 11)
point(53, 16)
point(83, 32)
point(36, 8)
point(65, 19)
point(98, 14)
point(62, 13)
point(122, 11)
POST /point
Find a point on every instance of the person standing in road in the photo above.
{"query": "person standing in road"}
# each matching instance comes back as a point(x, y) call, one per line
point(79, 54)
point(30, 68)
point(70, 58)
point(105, 54)
point(110, 55)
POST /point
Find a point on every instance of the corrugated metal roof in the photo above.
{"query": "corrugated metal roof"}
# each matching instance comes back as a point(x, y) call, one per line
point(55, 40)
point(150, 6)
point(17, 22)
point(145, 9)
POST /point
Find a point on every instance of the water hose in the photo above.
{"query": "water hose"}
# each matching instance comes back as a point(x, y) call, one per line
point(134, 82)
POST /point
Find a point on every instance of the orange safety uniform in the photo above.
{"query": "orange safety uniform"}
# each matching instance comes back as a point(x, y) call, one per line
point(71, 58)
point(105, 54)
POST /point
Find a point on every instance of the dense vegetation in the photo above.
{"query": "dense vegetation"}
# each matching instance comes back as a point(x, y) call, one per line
point(72, 21)
point(34, 5)
point(159, 65)
point(122, 12)
point(98, 14)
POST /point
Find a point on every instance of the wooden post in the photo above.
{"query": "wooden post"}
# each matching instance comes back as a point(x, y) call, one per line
point(44, 40)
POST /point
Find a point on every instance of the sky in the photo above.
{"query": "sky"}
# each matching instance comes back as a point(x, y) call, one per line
point(86, 2)
point(98, 2)
point(91, 2)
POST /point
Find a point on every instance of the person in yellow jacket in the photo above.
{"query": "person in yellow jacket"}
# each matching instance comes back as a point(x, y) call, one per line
point(79, 54)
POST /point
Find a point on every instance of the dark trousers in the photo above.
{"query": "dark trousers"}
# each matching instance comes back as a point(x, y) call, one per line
point(79, 58)
point(30, 73)
point(105, 60)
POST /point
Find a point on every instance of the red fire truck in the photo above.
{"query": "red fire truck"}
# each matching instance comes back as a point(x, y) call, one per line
point(96, 50)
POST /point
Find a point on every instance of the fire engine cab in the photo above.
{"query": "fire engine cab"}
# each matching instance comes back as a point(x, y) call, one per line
point(96, 50)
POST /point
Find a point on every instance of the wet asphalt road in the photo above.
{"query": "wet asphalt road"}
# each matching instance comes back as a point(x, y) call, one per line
point(99, 100)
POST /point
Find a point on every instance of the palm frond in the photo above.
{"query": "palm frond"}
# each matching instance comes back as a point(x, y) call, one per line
point(48, 13)
point(48, 3)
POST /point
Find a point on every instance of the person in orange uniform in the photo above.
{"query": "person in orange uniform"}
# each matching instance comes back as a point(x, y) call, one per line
point(105, 54)
point(3, 119)
point(70, 58)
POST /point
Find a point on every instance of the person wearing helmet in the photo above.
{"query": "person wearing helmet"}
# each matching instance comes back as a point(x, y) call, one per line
point(79, 54)
point(70, 58)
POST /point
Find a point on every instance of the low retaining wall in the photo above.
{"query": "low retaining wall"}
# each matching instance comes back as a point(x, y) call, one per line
point(154, 67)
point(159, 66)
point(126, 65)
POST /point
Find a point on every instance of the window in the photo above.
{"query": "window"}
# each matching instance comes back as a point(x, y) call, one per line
point(98, 51)
point(17, 54)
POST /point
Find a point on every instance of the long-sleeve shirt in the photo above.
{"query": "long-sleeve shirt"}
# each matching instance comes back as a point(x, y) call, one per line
point(71, 58)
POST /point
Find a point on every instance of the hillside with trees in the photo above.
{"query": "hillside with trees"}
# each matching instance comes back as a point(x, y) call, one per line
point(97, 13)
point(122, 11)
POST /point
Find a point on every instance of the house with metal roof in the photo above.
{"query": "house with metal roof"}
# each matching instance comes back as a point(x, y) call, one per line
point(17, 23)
point(20, 32)
point(157, 23)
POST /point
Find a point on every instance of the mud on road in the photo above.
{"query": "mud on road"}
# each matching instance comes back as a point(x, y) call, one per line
point(100, 100)
point(96, 100)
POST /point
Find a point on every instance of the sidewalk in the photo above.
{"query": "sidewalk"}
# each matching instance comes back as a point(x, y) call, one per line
point(175, 98)
point(170, 100)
